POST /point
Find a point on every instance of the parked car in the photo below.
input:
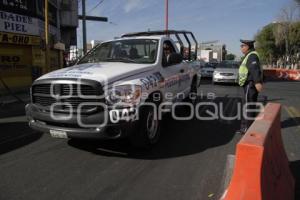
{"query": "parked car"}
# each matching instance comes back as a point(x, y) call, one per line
point(207, 70)
point(226, 72)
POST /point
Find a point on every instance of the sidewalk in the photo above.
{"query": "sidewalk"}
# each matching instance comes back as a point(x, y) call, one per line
point(13, 105)
point(13, 98)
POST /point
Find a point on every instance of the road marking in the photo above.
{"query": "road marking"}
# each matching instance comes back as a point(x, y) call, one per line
point(113, 152)
point(294, 114)
point(13, 119)
point(294, 111)
point(288, 111)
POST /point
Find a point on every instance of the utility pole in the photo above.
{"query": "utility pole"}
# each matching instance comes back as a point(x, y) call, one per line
point(47, 58)
point(84, 27)
point(167, 15)
point(84, 18)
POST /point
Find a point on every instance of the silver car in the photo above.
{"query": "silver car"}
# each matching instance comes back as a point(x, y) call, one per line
point(207, 70)
point(226, 72)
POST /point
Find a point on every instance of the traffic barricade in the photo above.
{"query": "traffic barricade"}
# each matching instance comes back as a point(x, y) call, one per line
point(282, 74)
point(261, 170)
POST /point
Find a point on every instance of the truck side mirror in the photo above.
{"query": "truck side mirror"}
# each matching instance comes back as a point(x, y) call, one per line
point(175, 58)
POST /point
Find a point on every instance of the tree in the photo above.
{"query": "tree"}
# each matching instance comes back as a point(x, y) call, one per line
point(294, 38)
point(286, 31)
point(298, 5)
point(289, 13)
point(281, 34)
point(230, 56)
point(266, 44)
point(280, 41)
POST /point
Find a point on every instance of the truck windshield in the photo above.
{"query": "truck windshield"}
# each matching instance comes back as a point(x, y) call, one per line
point(139, 51)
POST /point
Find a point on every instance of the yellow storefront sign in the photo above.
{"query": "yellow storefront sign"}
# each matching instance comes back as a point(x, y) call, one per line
point(15, 66)
point(12, 38)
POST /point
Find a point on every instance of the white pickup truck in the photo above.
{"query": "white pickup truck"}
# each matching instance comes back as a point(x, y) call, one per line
point(119, 89)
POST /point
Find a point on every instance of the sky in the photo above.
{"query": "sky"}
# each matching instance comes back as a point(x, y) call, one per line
point(225, 20)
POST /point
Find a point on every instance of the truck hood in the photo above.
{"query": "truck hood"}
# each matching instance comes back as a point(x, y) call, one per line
point(101, 72)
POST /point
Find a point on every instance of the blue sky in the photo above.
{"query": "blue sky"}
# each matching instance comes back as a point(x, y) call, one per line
point(224, 20)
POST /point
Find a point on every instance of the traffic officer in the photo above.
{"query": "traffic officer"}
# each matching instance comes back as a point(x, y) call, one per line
point(251, 79)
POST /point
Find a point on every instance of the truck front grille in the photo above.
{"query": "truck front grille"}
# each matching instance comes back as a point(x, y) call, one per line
point(67, 95)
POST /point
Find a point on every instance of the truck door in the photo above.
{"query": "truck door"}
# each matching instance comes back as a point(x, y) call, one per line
point(184, 77)
point(171, 73)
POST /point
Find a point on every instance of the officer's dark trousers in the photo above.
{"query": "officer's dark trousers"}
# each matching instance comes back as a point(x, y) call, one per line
point(250, 97)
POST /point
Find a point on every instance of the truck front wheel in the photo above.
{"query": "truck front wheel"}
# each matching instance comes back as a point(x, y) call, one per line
point(148, 131)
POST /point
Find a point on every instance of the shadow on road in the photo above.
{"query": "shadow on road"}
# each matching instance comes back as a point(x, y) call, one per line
point(290, 122)
point(206, 81)
point(227, 84)
point(270, 80)
point(178, 138)
point(295, 166)
point(174, 142)
point(12, 109)
point(16, 135)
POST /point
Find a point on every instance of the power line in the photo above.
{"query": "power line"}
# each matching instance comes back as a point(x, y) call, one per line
point(98, 4)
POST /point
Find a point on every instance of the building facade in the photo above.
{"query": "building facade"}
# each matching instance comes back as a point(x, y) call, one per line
point(22, 38)
point(212, 52)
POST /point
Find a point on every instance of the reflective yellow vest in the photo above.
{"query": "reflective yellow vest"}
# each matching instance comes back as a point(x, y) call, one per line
point(243, 70)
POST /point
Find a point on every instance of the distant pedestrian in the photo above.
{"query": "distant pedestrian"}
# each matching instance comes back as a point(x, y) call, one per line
point(251, 79)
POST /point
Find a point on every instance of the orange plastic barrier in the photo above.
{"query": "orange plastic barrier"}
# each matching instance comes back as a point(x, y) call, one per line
point(261, 170)
point(282, 74)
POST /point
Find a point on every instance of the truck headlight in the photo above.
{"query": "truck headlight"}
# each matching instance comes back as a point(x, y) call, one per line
point(124, 94)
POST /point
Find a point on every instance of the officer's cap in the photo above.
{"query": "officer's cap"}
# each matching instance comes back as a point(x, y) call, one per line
point(248, 42)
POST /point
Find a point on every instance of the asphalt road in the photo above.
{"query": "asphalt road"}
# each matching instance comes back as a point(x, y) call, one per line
point(188, 163)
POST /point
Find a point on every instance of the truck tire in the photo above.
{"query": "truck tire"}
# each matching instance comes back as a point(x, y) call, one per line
point(148, 131)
